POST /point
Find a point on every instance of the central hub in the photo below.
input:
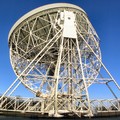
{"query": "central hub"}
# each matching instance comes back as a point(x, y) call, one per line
point(30, 33)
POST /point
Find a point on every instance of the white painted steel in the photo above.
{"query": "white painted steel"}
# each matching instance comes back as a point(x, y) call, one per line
point(55, 53)
point(41, 9)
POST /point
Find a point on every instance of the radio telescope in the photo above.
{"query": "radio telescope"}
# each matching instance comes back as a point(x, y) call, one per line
point(52, 38)
point(55, 53)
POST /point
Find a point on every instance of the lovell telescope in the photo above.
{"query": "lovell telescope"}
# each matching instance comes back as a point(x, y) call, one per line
point(55, 53)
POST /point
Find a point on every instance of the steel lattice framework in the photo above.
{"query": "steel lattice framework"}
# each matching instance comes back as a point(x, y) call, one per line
point(55, 53)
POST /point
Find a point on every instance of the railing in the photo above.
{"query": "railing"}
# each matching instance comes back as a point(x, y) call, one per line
point(38, 105)
point(105, 105)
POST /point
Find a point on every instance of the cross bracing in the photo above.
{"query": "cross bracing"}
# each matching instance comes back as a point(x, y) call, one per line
point(56, 62)
point(41, 106)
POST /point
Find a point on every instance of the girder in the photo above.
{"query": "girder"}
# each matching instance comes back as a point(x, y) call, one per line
point(55, 53)
point(43, 106)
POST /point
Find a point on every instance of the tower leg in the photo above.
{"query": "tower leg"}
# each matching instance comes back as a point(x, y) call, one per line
point(57, 70)
point(84, 81)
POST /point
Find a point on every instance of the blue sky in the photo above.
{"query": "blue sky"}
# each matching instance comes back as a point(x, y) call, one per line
point(104, 16)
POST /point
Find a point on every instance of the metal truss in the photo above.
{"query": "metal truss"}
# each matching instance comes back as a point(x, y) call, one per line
point(105, 105)
point(56, 63)
point(43, 106)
